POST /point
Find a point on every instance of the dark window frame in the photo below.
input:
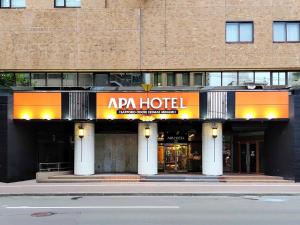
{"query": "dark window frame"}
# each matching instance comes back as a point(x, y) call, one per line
point(10, 7)
point(285, 31)
point(239, 32)
point(65, 5)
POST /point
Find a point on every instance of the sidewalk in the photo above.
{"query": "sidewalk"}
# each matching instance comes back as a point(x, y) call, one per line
point(148, 189)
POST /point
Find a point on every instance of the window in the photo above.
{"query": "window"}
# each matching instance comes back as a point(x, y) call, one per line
point(171, 79)
point(158, 79)
point(66, 3)
point(54, 80)
point(246, 77)
point(85, 79)
point(12, 3)
point(22, 79)
point(69, 79)
point(213, 79)
point(38, 79)
point(286, 32)
point(229, 78)
point(199, 79)
point(239, 32)
point(101, 79)
point(185, 79)
point(278, 78)
point(294, 78)
point(263, 78)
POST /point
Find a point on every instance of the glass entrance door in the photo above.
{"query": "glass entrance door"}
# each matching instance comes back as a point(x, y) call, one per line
point(249, 157)
point(176, 157)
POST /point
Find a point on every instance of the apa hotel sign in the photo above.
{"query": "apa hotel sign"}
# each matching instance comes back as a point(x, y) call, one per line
point(160, 105)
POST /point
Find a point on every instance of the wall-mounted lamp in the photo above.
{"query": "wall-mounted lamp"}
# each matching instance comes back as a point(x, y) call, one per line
point(147, 132)
point(81, 132)
point(214, 131)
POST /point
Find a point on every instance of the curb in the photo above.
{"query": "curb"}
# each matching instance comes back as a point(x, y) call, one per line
point(151, 194)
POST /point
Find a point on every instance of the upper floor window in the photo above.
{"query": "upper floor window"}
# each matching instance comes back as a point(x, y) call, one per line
point(12, 3)
point(67, 3)
point(286, 32)
point(239, 32)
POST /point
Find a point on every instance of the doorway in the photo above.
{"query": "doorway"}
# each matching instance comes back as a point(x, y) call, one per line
point(249, 156)
point(176, 156)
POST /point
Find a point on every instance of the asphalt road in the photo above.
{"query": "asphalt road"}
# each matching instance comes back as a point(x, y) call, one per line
point(244, 210)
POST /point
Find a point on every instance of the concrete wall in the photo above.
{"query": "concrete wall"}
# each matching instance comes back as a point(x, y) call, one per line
point(116, 153)
point(144, 34)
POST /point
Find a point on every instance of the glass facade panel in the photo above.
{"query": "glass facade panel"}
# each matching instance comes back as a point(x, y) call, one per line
point(199, 79)
point(7, 79)
point(185, 79)
point(246, 77)
point(5, 3)
point(232, 32)
point(54, 79)
point(18, 3)
point(73, 3)
point(69, 79)
point(38, 79)
point(246, 32)
point(213, 79)
point(263, 78)
point(101, 79)
point(229, 79)
point(171, 79)
point(292, 32)
point(85, 79)
point(158, 79)
point(279, 32)
point(278, 78)
point(22, 79)
point(60, 3)
point(294, 78)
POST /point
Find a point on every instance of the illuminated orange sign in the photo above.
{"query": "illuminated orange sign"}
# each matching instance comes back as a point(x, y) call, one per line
point(32, 105)
point(148, 106)
point(262, 105)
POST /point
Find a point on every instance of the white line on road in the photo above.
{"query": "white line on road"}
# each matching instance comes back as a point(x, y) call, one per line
point(92, 207)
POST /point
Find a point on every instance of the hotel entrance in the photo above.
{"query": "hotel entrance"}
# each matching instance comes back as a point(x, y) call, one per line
point(176, 156)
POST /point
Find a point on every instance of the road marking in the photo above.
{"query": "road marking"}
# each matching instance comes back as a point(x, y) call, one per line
point(93, 207)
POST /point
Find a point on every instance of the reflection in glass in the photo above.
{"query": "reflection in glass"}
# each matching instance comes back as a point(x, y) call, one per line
point(294, 78)
point(292, 31)
point(158, 79)
point(171, 79)
point(213, 79)
point(54, 80)
point(279, 32)
point(246, 32)
point(278, 78)
point(232, 32)
point(18, 3)
point(185, 79)
point(22, 79)
point(85, 79)
point(199, 79)
point(38, 79)
point(229, 78)
point(59, 2)
point(246, 77)
point(70, 79)
point(73, 3)
point(262, 78)
point(5, 3)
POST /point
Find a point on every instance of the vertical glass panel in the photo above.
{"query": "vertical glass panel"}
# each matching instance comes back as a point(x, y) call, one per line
point(232, 32)
point(185, 79)
point(60, 3)
point(171, 80)
point(246, 32)
point(213, 79)
point(5, 3)
point(246, 77)
point(279, 32)
point(157, 79)
point(136, 79)
point(22, 79)
point(199, 79)
point(229, 79)
point(7, 79)
point(292, 31)
point(278, 78)
point(263, 78)
point(18, 3)
point(73, 3)
point(85, 79)
point(70, 79)
point(38, 79)
point(101, 79)
point(294, 78)
point(54, 79)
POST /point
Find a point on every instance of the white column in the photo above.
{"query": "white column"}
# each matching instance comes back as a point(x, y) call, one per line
point(84, 158)
point(212, 150)
point(147, 149)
